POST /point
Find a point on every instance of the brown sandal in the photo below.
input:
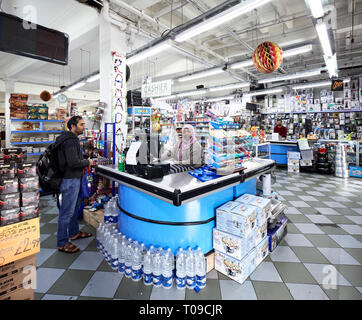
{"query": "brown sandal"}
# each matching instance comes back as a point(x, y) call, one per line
point(69, 248)
point(81, 235)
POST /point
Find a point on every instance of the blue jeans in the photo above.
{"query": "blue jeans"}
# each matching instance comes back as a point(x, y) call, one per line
point(68, 212)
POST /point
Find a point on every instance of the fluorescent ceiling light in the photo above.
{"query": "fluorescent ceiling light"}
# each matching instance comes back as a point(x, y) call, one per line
point(148, 53)
point(331, 63)
point(220, 19)
point(230, 86)
point(76, 86)
point(296, 51)
point(191, 93)
point(324, 38)
point(94, 78)
point(347, 80)
point(262, 92)
point(201, 74)
point(316, 8)
point(220, 99)
point(167, 97)
point(306, 74)
point(313, 85)
point(56, 95)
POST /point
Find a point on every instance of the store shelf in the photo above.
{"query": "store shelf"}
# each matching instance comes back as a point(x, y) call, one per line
point(29, 143)
point(37, 131)
point(307, 112)
point(35, 154)
point(38, 120)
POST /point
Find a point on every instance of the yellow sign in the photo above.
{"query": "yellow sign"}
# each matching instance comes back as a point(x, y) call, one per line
point(19, 240)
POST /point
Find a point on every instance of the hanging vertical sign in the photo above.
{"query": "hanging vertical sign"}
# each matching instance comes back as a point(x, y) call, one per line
point(119, 101)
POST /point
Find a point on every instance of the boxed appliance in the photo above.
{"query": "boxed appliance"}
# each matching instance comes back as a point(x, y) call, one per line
point(262, 251)
point(7, 170)
point(240, 220)
point(293, 169)
point(245, 198)
point(293, 162)
point(29, 184)
point(293, 155)
point(261, 232)
point(237, 270)
point(9, 201)
point(8, 185)
point(252, 260)
point(30, 198)
point(226, 207)
point(10, 216)
point(230, 244)
point(29, 212)
point(263, 206)
point(277, 234)
point(27, 170)
point(305, 163)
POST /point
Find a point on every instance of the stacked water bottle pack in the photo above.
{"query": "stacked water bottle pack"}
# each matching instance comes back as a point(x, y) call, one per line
point(111, 211)
point(155, 266)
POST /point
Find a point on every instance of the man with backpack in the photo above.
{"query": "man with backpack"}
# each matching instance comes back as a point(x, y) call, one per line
point(71, 165)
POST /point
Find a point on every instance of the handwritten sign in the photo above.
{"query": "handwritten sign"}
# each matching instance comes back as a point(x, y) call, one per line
point(337, 85)
point(156, 89)
point(19, 240)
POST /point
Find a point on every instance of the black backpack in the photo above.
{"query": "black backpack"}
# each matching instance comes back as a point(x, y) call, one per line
point(48, 168)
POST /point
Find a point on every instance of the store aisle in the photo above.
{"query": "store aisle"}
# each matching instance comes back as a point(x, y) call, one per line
point(324, 235)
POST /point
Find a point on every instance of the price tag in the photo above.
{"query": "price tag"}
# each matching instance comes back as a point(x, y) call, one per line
point(19, 240)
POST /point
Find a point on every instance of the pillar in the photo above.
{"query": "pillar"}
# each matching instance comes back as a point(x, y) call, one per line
point(9, 88)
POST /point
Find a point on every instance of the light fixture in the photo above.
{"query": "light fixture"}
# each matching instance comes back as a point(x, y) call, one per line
point(305, 74)
point(296, 51)
point(316, 8)
point(331, 64)
point(148, 53)
point(201, 74)
point(230, 86)
point(76, 86)
point(263, 92)
point(56, 95)
point(220, 99)
point(94, 78)
point(191, 93)
point(242, 64)
point(313, 85)
point(167, 97)
point(221, 18)
point(324, 38)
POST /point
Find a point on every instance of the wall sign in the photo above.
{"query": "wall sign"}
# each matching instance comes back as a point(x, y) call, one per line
point(156, 89)
point(337, 85)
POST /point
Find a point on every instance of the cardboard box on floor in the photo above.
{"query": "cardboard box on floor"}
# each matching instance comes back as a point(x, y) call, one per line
point(19, 240)
point(17, 279)
point(93, 218)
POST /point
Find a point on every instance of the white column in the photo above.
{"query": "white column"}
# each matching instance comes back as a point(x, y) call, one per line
point(9, 88)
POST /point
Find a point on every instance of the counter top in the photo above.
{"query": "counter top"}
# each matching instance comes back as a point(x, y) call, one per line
point(181, 187)
point(283, 142)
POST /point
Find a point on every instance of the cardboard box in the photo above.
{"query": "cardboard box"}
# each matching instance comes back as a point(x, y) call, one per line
point(293, 155)
point(305, 163)
point(245, 198)
point(294, 169)
point(240, 220)
point(93, 218)
point(232, 245)
point(210, 261)
point(237, 270)
point(19, 240)
point(252, 261)
point(263, 206)
point(262, 251)
point(293, 162)
point(16, 266)
point(22, 294)
point(260, 233)
point(277, 234)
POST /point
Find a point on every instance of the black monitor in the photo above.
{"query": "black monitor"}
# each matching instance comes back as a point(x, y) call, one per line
point(251, 106)
point(38, 43)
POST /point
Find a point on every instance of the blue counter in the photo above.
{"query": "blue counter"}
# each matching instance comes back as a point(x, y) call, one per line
point(280, 149)
point(149, 213)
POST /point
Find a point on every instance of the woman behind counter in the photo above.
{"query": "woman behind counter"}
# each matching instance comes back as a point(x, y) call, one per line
point(186, 151)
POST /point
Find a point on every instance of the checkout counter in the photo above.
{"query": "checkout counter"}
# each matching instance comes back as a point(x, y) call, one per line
point(178, 210)
point(280, 149)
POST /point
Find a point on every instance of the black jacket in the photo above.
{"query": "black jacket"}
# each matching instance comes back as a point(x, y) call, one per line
point(70, 156)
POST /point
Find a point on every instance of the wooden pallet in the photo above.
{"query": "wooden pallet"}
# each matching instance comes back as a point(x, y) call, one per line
point(93, 218)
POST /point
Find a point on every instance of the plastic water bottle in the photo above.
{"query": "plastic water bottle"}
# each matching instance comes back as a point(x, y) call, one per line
point(137, 265)
point(115, 210)
point(128, 260)
point(99, 232)
point(107, 212)
point(110, 250)
point(114, 252)
point(200, 268)
point(181, 269)
point(122, 253)
point(190, 269)
point(168, 264)
point(157, 268)
point(147, 269)
point(152, 251)
point(143, 250)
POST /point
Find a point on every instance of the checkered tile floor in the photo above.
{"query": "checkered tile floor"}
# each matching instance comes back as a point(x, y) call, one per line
point(323, 242)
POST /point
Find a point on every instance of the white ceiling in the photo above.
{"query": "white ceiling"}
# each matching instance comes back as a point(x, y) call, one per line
point(287, 22)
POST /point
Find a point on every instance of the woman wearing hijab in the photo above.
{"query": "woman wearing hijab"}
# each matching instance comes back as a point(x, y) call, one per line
point(188, 149)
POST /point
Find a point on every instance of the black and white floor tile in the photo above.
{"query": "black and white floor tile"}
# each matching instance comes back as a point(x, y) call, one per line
point(324, 238)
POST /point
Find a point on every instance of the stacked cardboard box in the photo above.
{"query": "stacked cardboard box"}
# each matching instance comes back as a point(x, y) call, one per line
point(240, 237)
point(293, 161)
point(17, 279)
point(18, 106)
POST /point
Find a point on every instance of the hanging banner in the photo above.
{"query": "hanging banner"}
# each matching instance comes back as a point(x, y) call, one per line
point(119, 101)
point(156, 89)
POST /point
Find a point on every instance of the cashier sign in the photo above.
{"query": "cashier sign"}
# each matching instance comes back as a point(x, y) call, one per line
point(156, 89)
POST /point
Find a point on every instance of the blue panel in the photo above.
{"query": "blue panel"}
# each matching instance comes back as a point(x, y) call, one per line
point(246, 187)
point(279, 158)
point(283, 149)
